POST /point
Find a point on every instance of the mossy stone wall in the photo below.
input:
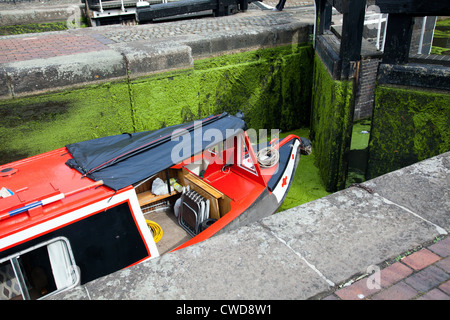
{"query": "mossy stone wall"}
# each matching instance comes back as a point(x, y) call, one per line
point(37, 124)
point(331, 124)
point(271, 86)
point(409, 125)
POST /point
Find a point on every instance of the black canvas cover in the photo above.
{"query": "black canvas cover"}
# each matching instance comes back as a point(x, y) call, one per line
point(126, 159)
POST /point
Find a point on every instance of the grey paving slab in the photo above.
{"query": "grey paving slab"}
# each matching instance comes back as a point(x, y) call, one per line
point(254, 21)
point(424, 189)
point(143, 58)
point(343, 234)
point(33, 76)
point(248, 263)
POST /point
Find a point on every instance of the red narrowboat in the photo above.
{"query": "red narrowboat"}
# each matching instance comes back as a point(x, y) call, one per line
point(80, 212)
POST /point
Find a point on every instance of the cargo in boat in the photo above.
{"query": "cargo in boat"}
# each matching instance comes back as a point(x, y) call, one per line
point(80, 212)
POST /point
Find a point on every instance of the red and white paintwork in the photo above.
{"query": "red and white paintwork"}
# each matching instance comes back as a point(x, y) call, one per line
point(69, 198)
point(45, 175)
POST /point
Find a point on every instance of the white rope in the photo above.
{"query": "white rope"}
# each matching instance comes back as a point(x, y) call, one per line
point(268, 157)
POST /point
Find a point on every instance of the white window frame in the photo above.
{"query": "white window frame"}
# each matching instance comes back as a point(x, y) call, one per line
point(241, 142)
point(66, 259)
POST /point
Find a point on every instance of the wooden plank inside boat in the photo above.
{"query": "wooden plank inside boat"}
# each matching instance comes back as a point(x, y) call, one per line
point(219, 203)
point(144, 193)
point(147, 197)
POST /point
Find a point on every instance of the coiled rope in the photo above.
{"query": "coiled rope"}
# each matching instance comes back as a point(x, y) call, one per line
point(156, 230)
point(268, 157)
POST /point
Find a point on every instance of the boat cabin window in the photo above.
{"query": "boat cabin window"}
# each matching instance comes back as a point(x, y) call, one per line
point(244, 160)
point(39, 271)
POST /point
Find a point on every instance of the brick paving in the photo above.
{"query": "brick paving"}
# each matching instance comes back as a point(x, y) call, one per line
point(420, 259)
point(46, 46)
point(422, 275)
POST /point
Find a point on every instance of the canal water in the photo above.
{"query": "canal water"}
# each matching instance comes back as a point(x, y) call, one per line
point(307, 184)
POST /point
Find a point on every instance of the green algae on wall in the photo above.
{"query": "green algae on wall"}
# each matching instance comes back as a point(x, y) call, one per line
point(32, 125)
point(272, 87)
point(33, 28)
point(409, 125)
point(164, 99)
point(331, 125)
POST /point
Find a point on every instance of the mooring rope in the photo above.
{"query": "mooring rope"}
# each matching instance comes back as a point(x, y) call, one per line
point(268, 157)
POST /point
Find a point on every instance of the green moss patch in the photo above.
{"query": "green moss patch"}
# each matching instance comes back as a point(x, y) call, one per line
point(408, 126)
point(330, 125)
point(271, 86)
point(32, 28)
point(33, 125)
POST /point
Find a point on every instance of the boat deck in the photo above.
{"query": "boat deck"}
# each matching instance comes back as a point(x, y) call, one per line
point(173, 234)
point(39, 177)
